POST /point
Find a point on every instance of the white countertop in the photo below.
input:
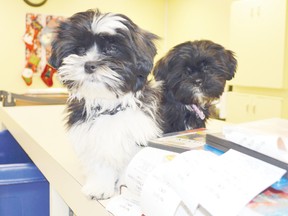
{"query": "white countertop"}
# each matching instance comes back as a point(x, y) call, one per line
point(40, 131)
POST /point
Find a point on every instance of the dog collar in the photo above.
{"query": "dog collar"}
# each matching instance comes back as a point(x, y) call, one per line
point(193, 108)
point(114, 111)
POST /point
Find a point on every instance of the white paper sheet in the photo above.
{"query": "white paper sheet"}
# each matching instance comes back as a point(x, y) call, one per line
point(267, 136)
point(184, 175)
point(157, 197)
point(143, 164)
point(124, 205)
point(234, 180)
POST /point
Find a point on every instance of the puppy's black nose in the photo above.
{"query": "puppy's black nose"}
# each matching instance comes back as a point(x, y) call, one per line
point(90, 67)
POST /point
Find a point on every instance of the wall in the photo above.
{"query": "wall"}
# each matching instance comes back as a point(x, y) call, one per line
point(198, 19)
point(148, 14)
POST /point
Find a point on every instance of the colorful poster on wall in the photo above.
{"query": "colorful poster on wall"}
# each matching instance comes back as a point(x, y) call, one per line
point(37, 38)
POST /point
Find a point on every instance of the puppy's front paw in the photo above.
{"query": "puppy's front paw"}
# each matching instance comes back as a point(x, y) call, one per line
point(101, 184)
point(98, 191)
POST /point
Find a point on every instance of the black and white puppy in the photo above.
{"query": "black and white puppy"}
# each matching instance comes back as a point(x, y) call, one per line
point(104, 60)
point(194, 76)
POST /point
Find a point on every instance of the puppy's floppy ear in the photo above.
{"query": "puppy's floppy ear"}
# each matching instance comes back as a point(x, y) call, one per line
point(231, 62)
point(145, 53)
point(163, 69)
point(160, 69)
point(56, 57)
point(142, 43)
point(53, 60)
point(143, 68)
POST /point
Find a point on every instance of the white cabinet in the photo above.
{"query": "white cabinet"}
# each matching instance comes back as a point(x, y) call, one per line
point(257, 36)
point(57, 205)
point(249, 107)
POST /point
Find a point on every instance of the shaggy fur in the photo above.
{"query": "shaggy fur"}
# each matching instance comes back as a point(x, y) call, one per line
point(104, 60)
point(194, 76)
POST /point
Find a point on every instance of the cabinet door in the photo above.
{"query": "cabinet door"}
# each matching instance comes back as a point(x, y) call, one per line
point(247, 107)
point(266, 107)
point(257, 36)
point(238, 107)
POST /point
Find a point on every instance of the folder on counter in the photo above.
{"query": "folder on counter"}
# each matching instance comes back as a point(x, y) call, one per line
point(266, 140)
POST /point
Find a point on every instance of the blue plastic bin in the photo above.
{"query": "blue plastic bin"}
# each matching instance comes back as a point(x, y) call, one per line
point(10, 150)
point(24, 191)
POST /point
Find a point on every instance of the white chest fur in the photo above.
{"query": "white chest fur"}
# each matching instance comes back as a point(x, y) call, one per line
point(113, 139)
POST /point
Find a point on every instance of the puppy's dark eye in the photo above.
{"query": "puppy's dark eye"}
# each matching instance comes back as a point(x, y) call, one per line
point(110, 49)
point(204, 67)
point(80, 51)
point(189, 70)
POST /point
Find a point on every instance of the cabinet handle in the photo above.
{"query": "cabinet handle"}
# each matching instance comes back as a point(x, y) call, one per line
point(254, 109)
point(247, 108)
